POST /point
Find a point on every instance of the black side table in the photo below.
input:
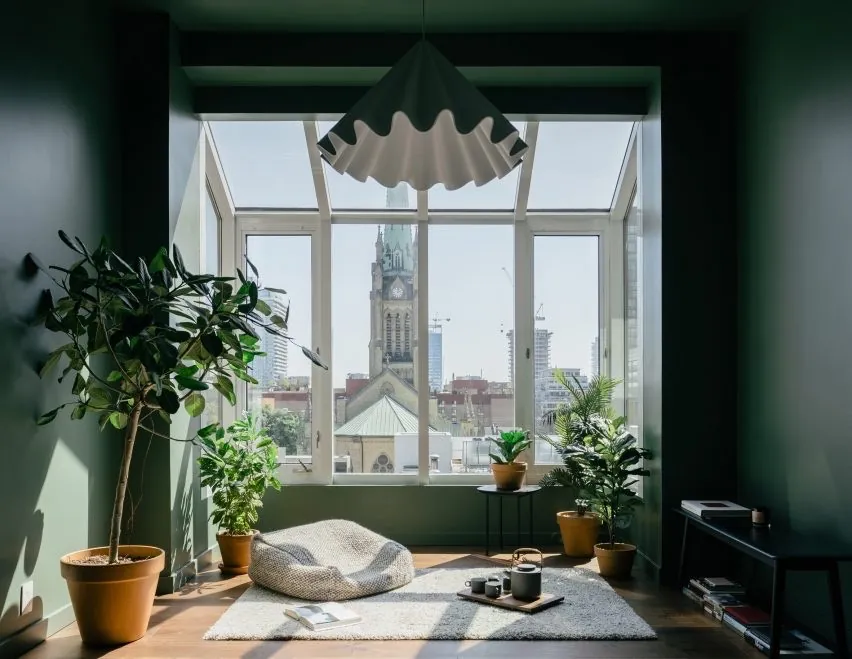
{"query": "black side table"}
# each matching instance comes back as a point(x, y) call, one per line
point(492, 491)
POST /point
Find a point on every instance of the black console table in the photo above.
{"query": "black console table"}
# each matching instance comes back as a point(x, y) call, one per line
point(782, 551)
point(491, 491)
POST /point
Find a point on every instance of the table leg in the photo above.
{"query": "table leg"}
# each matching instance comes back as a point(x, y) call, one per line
point(500, 523)
point(532, 542)
point(842, 649)
point(518, 534)
point(487, 522)
point(682, 565)
point(779, 578)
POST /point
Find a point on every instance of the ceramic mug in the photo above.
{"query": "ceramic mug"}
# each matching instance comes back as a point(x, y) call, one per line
point(476, 585)
point(492, 588)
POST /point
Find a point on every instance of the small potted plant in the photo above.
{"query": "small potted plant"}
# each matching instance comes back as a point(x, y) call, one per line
point(508, 473)
point(572, 424)
point(140, 342)
point(611, 462)
point(238, 466)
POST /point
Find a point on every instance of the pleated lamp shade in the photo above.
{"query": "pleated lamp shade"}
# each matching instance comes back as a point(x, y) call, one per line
point(423, 123)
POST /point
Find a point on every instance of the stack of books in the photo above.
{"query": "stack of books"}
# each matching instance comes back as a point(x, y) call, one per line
point(714, 509)
point(724, 600)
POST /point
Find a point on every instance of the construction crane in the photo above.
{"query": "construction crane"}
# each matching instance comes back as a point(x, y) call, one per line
point(437, 323)
point(538, 314)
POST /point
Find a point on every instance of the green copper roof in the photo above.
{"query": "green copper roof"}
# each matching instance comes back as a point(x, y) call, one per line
point(384, 418)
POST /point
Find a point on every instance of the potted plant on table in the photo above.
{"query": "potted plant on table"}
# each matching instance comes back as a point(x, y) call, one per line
point(508, 473)
point(238, 466)
point(140, 342)
point(572, 424)
point(611, 462)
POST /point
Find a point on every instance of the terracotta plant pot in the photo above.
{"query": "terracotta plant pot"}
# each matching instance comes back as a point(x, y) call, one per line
point(236, 552)
point(579, 533)
point(615, 561)
point(509, 476)
point(112, 603)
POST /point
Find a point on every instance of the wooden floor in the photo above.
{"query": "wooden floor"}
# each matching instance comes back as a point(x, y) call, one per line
point(179, 621)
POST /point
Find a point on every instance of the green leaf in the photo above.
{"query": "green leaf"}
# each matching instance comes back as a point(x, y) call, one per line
point(79, 412)
point(169, 401)
point(263, 308)
point(118, 420)
point(65, 239)
point(79, 384)
point(280, 291)
point(158, 263)
point(315, 358)
point(114, 376)
point(194, 404)
point(51, 361)
point(47, 417)
point(191, 383)
point(225, 387)
point(212, 344)
point(98, 395)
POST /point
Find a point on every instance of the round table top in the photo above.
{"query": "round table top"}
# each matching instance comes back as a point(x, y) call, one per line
point(492, 489)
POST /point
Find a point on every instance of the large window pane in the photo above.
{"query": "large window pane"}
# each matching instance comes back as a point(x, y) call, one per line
point(265, 163)
point(210, 264)
point(633, 319)
point(498, 194)
point(567, 323)
point(283, 392)
point(347, 193)
point(471, 302)
point(374, 348)
point(577, 164)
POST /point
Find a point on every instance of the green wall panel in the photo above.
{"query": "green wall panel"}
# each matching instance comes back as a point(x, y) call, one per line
point(57, 130)
point(796, 311)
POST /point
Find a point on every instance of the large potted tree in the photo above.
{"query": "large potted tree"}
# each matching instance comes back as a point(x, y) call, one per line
point(572, 425)
point(238, 465)
point(141, 341)
point(612, 463)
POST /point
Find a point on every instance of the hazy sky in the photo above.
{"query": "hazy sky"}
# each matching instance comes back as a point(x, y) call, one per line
point(576, 166)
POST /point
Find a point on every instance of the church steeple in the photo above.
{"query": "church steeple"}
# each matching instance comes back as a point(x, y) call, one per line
point(379, 244)
point(397, 197)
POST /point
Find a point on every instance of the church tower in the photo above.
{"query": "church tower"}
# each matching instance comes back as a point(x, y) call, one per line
point(393, 298)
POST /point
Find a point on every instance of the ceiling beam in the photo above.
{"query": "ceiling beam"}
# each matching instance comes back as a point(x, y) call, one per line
point(302, 49)
point(327, 103)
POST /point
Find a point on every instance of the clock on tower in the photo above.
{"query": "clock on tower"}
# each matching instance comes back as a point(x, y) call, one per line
point(397, 292)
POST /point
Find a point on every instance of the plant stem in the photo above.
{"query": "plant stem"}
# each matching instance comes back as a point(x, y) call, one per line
point(121, 488)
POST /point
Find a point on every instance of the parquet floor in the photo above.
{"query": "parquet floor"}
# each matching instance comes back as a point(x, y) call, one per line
point(179, 621)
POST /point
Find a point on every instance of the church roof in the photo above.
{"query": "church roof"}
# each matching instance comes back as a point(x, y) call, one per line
point(384, 418)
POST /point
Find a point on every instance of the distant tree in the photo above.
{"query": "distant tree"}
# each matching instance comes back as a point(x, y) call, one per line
point(286, 428)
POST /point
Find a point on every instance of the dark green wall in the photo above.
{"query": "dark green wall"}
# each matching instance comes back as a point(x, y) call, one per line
point(57, 170)
point(438, 515)
point(796, 311)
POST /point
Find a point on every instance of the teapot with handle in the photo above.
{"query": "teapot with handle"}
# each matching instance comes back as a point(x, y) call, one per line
point(526, 574)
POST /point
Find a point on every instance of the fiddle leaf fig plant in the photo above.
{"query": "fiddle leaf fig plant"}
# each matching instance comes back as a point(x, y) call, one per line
point(159, 334)
point(611, 463)
point(238, 466)
point(510, 445)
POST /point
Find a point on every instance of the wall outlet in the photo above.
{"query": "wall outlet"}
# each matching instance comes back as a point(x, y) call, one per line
point(26, 598)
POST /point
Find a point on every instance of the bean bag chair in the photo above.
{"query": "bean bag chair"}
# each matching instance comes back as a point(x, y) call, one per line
point(330, 560)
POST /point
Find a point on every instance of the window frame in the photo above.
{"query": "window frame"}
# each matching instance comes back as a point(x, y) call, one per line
point(608, 226)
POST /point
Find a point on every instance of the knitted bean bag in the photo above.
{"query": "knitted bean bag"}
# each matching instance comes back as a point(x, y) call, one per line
point(330, 560)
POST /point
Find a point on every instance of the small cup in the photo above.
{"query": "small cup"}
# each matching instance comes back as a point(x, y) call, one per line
point(476, 585)
point(492, 589)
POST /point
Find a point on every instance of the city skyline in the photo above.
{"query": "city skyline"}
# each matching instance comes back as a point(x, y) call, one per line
point(468, 266)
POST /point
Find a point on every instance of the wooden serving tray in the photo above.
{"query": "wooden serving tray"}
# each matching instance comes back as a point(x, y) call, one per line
point(506, 601)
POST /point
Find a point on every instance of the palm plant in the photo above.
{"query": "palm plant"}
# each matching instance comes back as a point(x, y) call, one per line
point(610, 462)
point(166, 335)
point(238, 466)
point(510, 445)
point(574, 423)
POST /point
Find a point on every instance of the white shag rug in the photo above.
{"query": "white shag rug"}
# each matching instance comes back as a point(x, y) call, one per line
point(428, 608)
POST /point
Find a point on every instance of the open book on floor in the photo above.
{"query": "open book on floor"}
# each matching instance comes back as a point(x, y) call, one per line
point(317, 617)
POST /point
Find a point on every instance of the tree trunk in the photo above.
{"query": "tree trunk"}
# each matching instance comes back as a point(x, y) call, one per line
point(121, 488)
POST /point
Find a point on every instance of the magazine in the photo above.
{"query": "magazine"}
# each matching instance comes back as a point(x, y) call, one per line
point(317, 617)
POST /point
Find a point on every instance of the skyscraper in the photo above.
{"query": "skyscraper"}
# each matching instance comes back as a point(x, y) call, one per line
point(436, 358)
point(541, 353)
point(595, 358)
point(268, 369)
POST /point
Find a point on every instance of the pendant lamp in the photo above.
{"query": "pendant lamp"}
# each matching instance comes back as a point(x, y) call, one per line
point(423, 123)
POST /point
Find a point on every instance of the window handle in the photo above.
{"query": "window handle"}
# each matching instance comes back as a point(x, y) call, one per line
point(318, 438)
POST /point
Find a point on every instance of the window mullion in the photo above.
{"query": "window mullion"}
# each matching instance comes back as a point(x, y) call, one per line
point(322, 398)
point(523, 384)
point(422, 344)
